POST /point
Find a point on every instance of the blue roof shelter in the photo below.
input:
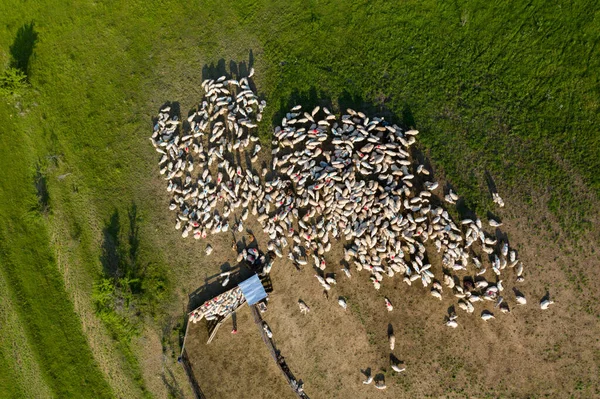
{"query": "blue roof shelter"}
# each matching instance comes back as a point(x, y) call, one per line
point(253, 290)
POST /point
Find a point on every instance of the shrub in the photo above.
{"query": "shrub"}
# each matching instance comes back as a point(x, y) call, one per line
point(12, 81)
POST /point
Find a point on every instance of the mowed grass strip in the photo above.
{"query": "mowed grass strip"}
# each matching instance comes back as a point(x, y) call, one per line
point(36, 289)
point(21, 375)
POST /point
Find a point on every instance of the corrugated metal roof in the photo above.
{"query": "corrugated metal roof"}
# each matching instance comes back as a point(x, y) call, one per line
point(253, 290)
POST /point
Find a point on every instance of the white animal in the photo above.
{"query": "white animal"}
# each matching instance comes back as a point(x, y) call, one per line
point(520, 299)
point(397, 368)
point(485, 315)
point(267, 330)
point(304, 309)
point(545, 303)
point(388, 305)
point(342, 303)
point(452, 323)
point(349, 178)
point(495, 223)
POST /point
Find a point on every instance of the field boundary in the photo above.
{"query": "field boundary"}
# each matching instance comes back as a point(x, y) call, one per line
point(185, 362)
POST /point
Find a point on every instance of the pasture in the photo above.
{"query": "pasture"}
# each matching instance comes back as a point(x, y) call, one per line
point(94, 280)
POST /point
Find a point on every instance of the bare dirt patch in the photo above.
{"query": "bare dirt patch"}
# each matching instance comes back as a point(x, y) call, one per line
point(235, 365)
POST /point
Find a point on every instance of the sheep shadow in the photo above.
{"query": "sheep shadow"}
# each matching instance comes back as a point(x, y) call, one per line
point(174, 113)
point(395, 360)
point(491, 184)
point(232, 69)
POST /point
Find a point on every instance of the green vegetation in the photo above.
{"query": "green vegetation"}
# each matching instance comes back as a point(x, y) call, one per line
point(36, 289)
point(12, 81)
point(127, 289)
point(503, 93)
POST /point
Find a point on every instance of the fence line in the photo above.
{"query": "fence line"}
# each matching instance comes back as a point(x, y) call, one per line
point(198, 394)
point(281, 363)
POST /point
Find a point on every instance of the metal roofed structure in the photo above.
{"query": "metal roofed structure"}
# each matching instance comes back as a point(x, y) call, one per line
point(253, 290)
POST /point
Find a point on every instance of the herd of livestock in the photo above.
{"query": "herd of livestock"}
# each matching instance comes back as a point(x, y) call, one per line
point(352, 179)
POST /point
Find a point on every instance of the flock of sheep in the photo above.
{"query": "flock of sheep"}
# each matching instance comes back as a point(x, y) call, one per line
point(351, 178)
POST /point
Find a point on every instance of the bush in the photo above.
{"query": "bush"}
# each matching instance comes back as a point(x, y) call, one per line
point(12, 81)
point(129, 289)
point(106, 297)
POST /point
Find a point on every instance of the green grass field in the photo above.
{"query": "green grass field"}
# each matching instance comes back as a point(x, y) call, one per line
point(508, 90)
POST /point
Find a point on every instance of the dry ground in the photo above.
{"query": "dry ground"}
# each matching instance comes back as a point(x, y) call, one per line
point(235, 365)
point(528, 353)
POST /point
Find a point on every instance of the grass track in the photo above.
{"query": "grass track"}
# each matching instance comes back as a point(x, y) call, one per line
point(21, 376)
point(507, 88)
point(37, 290)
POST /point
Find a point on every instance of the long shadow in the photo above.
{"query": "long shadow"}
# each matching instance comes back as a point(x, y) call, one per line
point(371, 109)
point(307, 99)
point(22, 48)
point(213, 71)
point(133, 238)
point(546, 296)
point(185, 362)
point(407, 117)
point(119, 258)
point(490, 182)
point(395, 360)
point(250, 59)
point(41, 187)
point(111, 256)
point(170, 382)
point(465, 211)
point(237, 69)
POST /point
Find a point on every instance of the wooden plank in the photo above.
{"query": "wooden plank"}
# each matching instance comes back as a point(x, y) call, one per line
point(214, 331)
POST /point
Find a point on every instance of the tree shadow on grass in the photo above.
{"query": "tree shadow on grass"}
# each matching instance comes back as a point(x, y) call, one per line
point(119, 258)
point(41, 187)
point(170, 382)
point(111, 256)
point(22, 48)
